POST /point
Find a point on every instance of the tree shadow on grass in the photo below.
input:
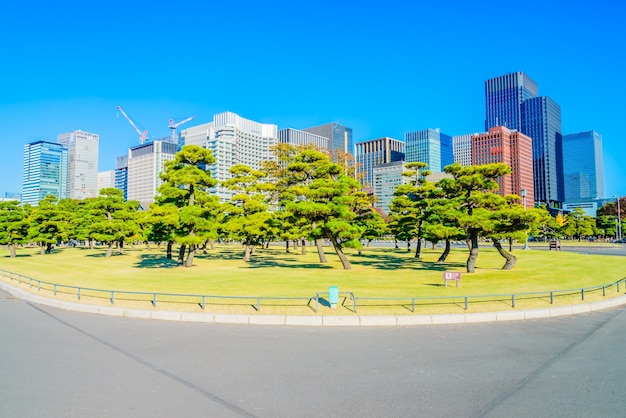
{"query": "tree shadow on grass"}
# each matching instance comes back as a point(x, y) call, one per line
point(155, 261)
point(18, 255)
point(391, 262)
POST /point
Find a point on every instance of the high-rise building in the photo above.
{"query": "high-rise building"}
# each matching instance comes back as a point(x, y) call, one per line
point(541, 120)
point(296, 137)
point(504, 96)
point(372, 153)
point(429, 146)
point(106, 179)
point(501, 145)
point(462, 149)
point(145, 164)
point(583, 167)
point(386, 178)
point(512, 101)
point(45, 171)
point(121, 174)
point(82, 166)
point(339, 136)
point(233, 140)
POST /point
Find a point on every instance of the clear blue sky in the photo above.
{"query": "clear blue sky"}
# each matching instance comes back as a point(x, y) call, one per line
point(381, 67)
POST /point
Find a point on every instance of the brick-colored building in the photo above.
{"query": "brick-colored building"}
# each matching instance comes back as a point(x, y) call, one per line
point(501, 145)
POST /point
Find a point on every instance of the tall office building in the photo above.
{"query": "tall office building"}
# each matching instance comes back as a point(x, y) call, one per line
point(462, 149)
point(512, 101)
point(386, 178)
point(106, 179)
point(121, 174)
point(541, 120)
point(501, 145)
point(372, 153)
point(504, 96)
point(297, 137)
point(339, 136)
point(145, 164)
point(233, 140)
point(583, 167)
point(429, 146)
point(44, 172)
point(82, 166)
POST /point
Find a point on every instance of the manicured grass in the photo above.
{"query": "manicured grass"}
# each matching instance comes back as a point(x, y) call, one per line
point(378, 272)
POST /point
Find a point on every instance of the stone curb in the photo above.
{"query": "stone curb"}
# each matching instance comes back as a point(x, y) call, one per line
point(321, 320)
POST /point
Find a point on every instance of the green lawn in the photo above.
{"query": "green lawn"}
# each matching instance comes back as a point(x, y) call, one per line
point(378, 272)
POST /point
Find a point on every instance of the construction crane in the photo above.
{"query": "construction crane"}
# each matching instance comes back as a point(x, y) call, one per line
point(142, 135)
point(173, 127)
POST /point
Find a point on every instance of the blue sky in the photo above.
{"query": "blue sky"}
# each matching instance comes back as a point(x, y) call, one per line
point(382, 68)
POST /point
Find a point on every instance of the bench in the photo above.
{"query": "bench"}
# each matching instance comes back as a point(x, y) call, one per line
point(555, 245)
point(450, 275)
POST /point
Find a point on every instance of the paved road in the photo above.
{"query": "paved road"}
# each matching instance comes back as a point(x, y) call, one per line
point(55, 363)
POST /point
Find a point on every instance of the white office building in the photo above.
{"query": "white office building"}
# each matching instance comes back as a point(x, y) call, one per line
point(82, 163)
point(462, 149)
point(106, 179)
point(233, 140)
point(145, 164)
point(386, 178)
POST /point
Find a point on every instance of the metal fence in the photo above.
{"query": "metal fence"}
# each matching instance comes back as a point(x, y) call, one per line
point(318, 298)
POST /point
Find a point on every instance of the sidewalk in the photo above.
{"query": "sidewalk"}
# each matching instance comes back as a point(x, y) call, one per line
point(316, 320)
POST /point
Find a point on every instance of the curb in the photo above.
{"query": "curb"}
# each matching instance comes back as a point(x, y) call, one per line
point(317, 321)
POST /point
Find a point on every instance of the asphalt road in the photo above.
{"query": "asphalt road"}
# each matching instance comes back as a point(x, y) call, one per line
point(55, 363)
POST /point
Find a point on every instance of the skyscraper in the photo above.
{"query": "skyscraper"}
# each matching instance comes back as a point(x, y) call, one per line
point(45, 171)
point(297, 137)
point(121, 174)
point(512, 101)
point(541, 120)
point(501, 145)
point(82, 166)
point(503, 98)
point(462, 149)
point(145, 164)
point(339, 136)
point(429, 146)
point(233, 140)
point(374, 152)
point(386, 178)
point(583, 166)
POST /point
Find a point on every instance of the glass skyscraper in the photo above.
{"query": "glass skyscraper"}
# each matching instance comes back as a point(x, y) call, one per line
point(372, 153)
point(583, 167)
point(504, 96)
point(339, 136)
point(512, 101)
point(45, 171)
point(429, 146)
point(541, 120)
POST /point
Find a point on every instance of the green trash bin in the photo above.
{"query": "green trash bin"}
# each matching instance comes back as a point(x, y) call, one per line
point(333, 296)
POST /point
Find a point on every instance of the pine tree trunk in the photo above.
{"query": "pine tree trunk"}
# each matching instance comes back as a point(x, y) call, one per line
point(473, 254)
point(444, 255)
point(190, 256)
point(246, 254)
point(303, 247)
point(109, 250)
point(510, 258)
point(168, 251)
point(418, 249)
point(320, 251)
point(181, 254)
point(121, 247)
point(344, 260)
point(12, 250)
point(287, 246)
point(510, 244)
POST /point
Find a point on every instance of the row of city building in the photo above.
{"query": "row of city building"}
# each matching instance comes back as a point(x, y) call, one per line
point(522, 129)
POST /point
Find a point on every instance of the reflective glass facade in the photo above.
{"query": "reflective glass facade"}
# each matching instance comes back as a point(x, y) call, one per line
point(339, 136)
point(429, 146)
point(44, 172)
point(541, 120)
point(504, 96)
point(370, 154)
point(583, 167)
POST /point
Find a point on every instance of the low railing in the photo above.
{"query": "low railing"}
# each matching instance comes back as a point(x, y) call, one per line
point(201, 300)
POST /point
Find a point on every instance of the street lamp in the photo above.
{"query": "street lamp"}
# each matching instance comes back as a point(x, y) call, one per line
point(523, 193)
point(618, 229)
